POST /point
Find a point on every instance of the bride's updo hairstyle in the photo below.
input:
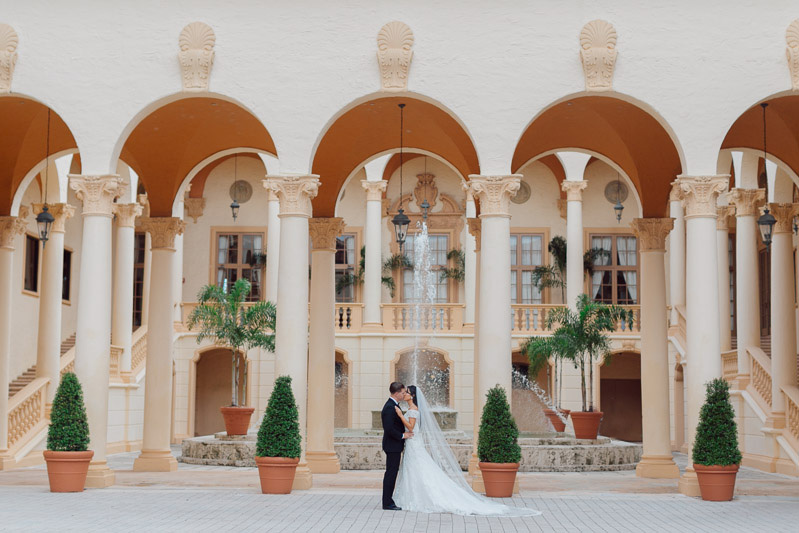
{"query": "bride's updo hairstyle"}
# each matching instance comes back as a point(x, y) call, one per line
point(412, 392)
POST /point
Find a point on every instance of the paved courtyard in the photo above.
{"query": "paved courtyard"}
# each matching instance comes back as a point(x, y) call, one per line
point(202, 498)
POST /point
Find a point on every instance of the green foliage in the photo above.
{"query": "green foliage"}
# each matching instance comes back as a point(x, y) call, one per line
point(352, 279)
point(554, 275)
point(498, 438)
point(716, 441)
point(223, 317)
point(69, 427)
point(581, 337)
point(457, 272)
point(279, 434)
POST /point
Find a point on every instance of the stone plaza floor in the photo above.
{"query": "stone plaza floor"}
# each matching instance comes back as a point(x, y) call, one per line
point(205, 498)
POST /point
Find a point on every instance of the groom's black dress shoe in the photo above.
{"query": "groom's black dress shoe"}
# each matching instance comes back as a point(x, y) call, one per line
point(392, 508)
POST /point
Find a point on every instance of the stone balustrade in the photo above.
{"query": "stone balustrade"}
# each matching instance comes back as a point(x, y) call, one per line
point(138, 350)
point(729, 365)
point(435, 318)
point(792, 414)
point(26, 414)
point(348, 317)
point(761, 376)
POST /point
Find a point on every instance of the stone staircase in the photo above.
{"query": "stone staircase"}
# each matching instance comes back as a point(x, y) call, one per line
point(30, 374)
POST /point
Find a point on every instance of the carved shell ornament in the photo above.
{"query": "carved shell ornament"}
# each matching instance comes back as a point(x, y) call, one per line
point(598, 54)
point(196, 55)
point(8, 56)
point(394, 42)
point(792, 52)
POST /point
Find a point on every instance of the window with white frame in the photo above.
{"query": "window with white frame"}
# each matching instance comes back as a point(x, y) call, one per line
point(526, 253)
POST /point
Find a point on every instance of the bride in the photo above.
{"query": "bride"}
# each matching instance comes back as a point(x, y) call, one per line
point(430, 478)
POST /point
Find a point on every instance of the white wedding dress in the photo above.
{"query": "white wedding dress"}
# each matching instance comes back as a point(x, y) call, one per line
point(431, 480)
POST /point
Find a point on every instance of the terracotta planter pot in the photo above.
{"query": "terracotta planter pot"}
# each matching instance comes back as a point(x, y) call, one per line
point(499, 478)
point(237, 419)
point(67, 470)
point(586, 424)
point(716, 483)
point(557, 423)
point(276, 473)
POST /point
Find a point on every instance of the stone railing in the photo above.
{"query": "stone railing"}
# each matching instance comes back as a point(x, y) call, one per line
point(442, 318)
point(348, 317)
point(138, 352)
point(115, 363)
point(792, 414)
point(761, 374)
point(531, 319)
point(729, 365)
point(26, 413)
point(68, 361)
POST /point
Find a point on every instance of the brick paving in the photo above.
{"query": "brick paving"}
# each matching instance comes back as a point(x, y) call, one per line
point(202, 498)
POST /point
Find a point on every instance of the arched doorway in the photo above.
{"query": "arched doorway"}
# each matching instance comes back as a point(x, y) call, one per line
point(212, 389)
point(620, 397)
point(342, 399)
point(527, 408)
point(432, 374)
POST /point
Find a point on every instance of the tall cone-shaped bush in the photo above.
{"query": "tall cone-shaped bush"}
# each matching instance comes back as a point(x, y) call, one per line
point(716, 441)
point(69, 427)
point(498, 438)
point(279, 435)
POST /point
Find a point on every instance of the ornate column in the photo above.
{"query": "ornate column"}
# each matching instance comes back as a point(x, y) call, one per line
point(476, 477)
point(656, 461)
point(574, 239)
point(747, 204)
point(272, 246)
point(322, 458)
point(373, 241)
point(93, 332)
point(703, 353)
point(676, 253)
point(783, 322)
point(291, 338)
point(156, 455)
point(10, 228)
point(723, 215)
point(470, 274)
point(48, 346)
point(122, 319)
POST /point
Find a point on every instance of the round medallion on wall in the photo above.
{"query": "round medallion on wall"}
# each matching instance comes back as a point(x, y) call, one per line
point(241, 191)
point(523, 194)
point(616, 190)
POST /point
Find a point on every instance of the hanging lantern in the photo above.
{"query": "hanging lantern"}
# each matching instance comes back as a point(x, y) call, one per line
point(45, 221)
point(766, 224)
point(401, 223)
point(618, 208)
point(234, 209)
point(425, 208)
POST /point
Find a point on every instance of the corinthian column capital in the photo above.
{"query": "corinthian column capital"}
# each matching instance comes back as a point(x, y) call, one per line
point(723, 214)
point(574, 190)
point(699, 194)
point(494, 193)
point(163, 231)
point(323, 232)
point(294, 192)
point(475, 228)
point(784, 213)
point(194, 207)
point(97, 192)
point(126, 214)
point(61, 212)
point(374, 189)
point(10, 227)
point(747, 202)
point(675, 194)
point(652, 233)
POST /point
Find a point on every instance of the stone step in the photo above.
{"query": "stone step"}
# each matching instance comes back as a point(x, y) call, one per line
point(30, 374)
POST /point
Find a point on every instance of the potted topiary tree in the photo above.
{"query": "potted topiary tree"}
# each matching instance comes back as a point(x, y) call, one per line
point(716, 455)
point(497, 445)
point(277, 450)
point(67, 453)
point(222, 316)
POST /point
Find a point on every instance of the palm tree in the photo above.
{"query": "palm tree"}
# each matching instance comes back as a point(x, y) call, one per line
point(581, 337)
point(222, 316)
point(351, 279)
point(554, 275)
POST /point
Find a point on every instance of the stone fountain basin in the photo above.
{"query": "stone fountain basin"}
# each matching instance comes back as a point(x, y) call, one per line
point(361, 450)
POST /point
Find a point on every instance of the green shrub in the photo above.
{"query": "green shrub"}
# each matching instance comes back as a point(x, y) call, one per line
point(716, 441)
point(69, 428)
point(498, 438)
point(279, 435)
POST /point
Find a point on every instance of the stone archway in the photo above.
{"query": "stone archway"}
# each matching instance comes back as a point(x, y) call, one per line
point(212, 389)
point(620, 397)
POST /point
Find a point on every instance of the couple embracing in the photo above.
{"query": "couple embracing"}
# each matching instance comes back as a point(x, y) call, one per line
point(426, 477)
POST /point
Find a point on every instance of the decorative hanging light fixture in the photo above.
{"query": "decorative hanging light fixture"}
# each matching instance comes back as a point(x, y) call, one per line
point(401, 220)
point(234, 206)
point(766, 221)
point(618, 208)
point(45, 219)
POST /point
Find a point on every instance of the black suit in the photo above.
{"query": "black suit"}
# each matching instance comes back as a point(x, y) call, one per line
point(393, 444)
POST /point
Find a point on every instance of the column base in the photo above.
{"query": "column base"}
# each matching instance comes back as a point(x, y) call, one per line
point(689, 483)
point(372, 327)
point(155, 461)
point(99, 475)
point(7, 462)
point(323, 462)
point(303, 477)
point(658, 467)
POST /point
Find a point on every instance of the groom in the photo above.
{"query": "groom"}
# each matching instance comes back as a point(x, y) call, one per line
point(394, 436)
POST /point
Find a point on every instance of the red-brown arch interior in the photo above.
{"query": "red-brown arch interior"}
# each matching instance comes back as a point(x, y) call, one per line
point(618, 130)
point(198, 181)
point(23, 142)
point(374, 127)
point(167, 144)
point(782, 122)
